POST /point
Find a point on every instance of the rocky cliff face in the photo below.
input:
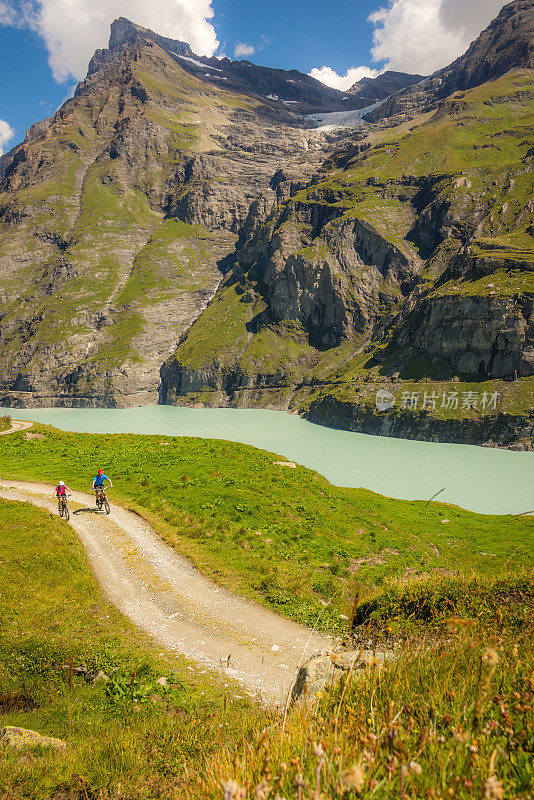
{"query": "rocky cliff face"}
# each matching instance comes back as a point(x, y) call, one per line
point(371, 90)
point(117, 216)
point(381, 276)
point(283, 90)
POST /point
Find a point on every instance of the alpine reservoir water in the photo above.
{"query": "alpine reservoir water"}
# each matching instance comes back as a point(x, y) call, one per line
point(486, 480)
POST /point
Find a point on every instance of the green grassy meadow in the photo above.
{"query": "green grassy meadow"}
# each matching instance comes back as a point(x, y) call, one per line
point(127, 738)
point(450, 716)
point(284, 537)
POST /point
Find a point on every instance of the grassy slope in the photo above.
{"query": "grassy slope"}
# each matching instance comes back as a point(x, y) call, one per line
point(54, 613)
point(285, 537)
point(425, 726)
point(473, 148)
point(474, 145)
point(452, 717)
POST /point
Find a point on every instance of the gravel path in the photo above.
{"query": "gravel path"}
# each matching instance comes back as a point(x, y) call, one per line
point(184, 611)
point(17, 425)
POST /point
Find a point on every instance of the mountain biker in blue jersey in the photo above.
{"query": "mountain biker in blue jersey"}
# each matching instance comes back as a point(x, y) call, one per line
point(98, 481)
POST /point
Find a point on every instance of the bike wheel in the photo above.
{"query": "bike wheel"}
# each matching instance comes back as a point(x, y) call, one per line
point(67, 515)
point(106, 506)
point(60, 510)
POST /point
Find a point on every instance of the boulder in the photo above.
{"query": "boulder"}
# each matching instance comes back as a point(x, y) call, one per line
point(325, 668)
point(22, 737)
point(100, 677)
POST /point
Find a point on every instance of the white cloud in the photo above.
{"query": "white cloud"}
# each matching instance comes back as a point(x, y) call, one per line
point(8, 15)
point(241, 49)
point(73, 29)
point(6, 133)
point(342, 82)
point(424, 35)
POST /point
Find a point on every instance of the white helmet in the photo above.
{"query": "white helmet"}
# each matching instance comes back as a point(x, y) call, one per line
point(61, 483)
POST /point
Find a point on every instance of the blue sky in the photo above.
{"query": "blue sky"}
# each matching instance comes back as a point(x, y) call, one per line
point(301, 33)
point(45, 45)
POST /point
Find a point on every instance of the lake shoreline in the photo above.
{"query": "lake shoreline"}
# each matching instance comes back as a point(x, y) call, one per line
point(480, 479)
point(500, 430)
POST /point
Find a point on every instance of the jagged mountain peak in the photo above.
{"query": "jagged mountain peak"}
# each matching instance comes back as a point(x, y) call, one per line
point(290, 91)
point(123, 32)
point(506, 44)
point(372, 90)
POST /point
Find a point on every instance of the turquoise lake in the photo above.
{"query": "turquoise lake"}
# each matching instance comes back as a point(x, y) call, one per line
point(481, 479)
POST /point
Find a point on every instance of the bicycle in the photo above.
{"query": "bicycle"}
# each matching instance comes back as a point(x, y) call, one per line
point(63, 507)
point(102, 500)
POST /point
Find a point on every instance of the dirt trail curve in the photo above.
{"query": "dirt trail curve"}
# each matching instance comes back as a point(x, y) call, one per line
point(17, 425)
point(184, 611)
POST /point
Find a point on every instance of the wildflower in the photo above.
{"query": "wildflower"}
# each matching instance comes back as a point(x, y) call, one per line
point(318, 751)
point(233, 791)
point(262, 791)
point(415, 767)
point(353, 778)
point(490, 657)
point(392, 764)
point(299, 784)
point(493, 789)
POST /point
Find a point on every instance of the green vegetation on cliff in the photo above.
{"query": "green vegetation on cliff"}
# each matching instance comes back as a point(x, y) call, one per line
point(450, 193)
point(100, 271)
